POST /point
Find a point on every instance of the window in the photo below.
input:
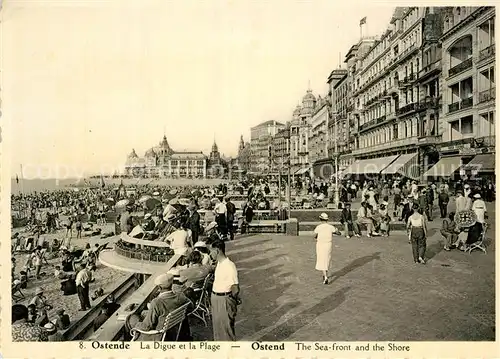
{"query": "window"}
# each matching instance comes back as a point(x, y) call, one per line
point(467, 125)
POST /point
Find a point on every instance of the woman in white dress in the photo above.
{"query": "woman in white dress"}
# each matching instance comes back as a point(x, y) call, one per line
point(323, 234)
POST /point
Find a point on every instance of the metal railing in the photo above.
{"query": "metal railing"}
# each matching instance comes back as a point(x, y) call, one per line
point(408, 108)
point(486, 53)
point(159, 256)
point(461, 67)
point(460, 105)
point(487, 95)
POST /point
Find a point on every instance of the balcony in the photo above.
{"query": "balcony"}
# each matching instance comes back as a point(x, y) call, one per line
point(460, 105)
point(461, 67)
point(428, 103)
point(407, 109)
point(486, 53)
point(388, 145)
point(373, 123)
point(487, 95)
point(430, 69)
point(429, 140)
point(404, 82)
point(394, 89)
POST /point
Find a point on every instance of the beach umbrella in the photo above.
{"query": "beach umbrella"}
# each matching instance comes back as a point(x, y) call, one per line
point(123, 203)
point(151, 203)
point(144, 198)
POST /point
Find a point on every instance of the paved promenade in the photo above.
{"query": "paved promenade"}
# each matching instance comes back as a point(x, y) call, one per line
point(376, 291)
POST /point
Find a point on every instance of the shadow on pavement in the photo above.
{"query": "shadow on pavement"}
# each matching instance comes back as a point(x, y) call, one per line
point(355, 264)
point(306, 317)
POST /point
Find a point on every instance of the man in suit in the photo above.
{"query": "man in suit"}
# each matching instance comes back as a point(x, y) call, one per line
point(230, 211)
point(194, 221)
point(166, 302)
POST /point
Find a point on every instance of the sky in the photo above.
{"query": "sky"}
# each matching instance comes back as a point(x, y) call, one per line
point(85, 82)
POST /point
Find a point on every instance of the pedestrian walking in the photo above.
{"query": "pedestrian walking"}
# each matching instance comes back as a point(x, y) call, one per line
point(418, 233)
point(225, 295)
point(323, 234)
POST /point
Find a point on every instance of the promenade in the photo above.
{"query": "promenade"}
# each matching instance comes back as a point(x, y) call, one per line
point(376, 291)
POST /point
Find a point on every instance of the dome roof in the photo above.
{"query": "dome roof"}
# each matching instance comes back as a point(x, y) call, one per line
point(308, 96)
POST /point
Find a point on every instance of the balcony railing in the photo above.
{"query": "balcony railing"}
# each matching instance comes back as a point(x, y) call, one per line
point(461, 67)
point(406, 109)
point(460, 105)
point(487, 95)
point(430, 68)
point(391, 144)
point(486, 53)
point(372, 123)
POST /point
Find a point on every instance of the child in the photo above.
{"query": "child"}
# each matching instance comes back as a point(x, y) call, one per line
point(62, 320)
point(384, 220)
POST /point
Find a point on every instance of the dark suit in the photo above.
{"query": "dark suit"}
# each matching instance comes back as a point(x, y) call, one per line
point(230, 211)
point(159, 308)
point(193, 223)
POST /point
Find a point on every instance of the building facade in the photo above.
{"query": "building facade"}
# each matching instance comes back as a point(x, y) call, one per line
point(244, 156)
point(162, 161)
point(260, 142)
point(391, 119)
point(279, 149)
point(318, 136)
point(468, 89)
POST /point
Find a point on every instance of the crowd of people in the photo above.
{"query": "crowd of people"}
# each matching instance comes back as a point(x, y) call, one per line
point(174, 217)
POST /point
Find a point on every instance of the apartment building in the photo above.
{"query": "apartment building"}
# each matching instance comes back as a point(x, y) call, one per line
point(279, 149)
point(299, 135)
point(318, 138)
point(387, 96)
point(261, 137)
point(468, 90)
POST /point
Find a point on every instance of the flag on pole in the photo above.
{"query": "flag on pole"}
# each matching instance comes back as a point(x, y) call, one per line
point(362, 21)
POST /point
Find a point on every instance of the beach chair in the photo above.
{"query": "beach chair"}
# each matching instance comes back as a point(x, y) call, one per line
point(17, 294)
point(202, 306)
point(480, 243)
point(173, 319)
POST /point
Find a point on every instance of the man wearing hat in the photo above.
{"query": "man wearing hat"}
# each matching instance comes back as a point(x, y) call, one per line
point(479, 207)
point(53, 334)
point(166, 302)
point(40, 302)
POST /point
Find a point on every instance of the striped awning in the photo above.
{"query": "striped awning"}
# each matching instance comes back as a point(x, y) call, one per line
point(484, 162)
point(406, 165)
point(445, 167)
point(302, 171)
point(372, 165)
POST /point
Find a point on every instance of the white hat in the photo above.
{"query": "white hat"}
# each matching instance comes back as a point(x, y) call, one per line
point(466, 186)
point(323, 216)
point(50, 327)
point(164, 280)
point(148, 215)
point(200, 244)
point(477, 195)
point(211, 226)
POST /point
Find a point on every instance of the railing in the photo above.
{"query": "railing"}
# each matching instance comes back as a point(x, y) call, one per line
point(372, 123)
point(408, 108)
point(392, 144)
point(486, 53)
point(487, 95)
point(430, 68)
point(460, 105)
point(464, 65)
point(141, 254)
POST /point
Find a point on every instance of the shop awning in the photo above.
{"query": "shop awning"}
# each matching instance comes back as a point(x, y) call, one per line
point(302, 171)
point(484, 162)
point(406, 165)
point(444, 168)
point(372, 165)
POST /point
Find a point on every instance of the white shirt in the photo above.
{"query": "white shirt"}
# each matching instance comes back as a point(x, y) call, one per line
point(479, 207)
point(169, 211)
point(83, 277)
point(220, 208)
point(225, 276)
point(325, 232)
point(178, 241)
point(461, 204)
